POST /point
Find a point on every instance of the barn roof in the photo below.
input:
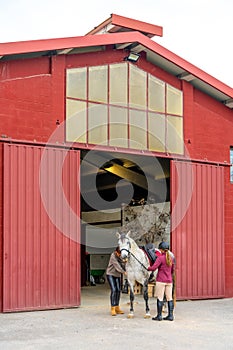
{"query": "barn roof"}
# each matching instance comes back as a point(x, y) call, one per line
point(123, 33)
point(116, 23)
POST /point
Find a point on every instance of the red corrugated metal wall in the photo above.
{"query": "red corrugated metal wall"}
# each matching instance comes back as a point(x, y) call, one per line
point(197, 197)
point(1, 224)
point(41, 264)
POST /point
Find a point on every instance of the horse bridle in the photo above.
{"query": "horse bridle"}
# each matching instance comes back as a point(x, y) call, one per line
point(130, 253)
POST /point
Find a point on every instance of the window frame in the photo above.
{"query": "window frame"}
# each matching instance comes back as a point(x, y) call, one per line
point(166, 114)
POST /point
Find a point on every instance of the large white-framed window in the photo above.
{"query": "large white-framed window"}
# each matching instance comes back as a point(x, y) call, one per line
point(123, 106)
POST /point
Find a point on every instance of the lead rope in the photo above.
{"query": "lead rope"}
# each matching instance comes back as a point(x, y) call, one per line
point(136, 258)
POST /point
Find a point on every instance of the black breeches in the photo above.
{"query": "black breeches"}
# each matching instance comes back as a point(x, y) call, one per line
point(115, 285)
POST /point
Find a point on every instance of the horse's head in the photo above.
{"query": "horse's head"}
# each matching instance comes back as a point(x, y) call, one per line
point(124, 244)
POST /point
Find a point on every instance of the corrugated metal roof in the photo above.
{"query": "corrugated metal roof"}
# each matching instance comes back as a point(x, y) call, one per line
point(128, 40)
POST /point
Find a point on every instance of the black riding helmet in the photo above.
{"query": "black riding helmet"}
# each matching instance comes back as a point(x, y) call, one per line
point(164, 245)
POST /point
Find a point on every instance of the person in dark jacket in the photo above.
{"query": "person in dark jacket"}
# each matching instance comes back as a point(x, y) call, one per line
point(165, 265)
point(116, 267)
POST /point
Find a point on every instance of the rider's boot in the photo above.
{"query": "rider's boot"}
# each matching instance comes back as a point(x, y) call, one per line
point(118, 310)
point(159, 311)
point(170, 311)
point(113, 310)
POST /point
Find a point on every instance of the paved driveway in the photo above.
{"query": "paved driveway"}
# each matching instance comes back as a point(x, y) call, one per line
point(205, 324)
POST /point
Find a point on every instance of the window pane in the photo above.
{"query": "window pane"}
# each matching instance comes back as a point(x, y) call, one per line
point(118, 84)
point(118, 127)
point(156, 94)
point(174, 101)
point(175, 135)
point(156, 126)
point(137, 129)
point(137, 87)
point(98, 90)
point(97, 124)
point(76, 83)
point(76, 121)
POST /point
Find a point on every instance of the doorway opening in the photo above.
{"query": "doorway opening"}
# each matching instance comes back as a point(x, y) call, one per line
point(120, 190)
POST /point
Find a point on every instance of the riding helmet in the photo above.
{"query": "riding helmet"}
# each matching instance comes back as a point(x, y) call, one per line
point(164, 245)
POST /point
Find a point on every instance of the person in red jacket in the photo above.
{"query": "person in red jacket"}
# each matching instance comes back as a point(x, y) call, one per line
point(165, 265)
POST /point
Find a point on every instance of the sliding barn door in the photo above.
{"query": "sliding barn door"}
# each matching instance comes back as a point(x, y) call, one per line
point(41, 229)
point(197, 201)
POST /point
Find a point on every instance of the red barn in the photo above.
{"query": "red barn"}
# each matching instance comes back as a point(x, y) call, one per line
point(79, 114)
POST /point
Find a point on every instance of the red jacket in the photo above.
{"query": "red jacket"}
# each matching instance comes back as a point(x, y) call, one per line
point(164, 271)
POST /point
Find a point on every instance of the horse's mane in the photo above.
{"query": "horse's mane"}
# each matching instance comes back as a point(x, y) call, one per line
point(133, 243)
point(135, 248)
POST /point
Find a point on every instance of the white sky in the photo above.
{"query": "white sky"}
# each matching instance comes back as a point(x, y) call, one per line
point(199, 31)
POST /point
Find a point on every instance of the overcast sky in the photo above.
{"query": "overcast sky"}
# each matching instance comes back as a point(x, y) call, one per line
point(199, 31)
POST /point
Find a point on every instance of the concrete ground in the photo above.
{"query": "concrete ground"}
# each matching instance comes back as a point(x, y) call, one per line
point(205, 324)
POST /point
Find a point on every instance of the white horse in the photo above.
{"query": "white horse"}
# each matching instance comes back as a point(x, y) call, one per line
point(136, 268)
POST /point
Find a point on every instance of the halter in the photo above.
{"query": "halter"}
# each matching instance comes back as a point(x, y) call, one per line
point(130, 253)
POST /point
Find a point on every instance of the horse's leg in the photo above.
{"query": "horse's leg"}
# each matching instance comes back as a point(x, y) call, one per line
point(131, 312)
point(145, 296)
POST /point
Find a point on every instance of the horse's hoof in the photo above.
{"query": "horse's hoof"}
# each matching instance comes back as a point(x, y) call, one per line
point(130, 316)
point(147, 316)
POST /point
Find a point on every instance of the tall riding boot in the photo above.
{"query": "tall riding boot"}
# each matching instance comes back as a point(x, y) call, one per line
point(170, 311)
point(159, 311)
